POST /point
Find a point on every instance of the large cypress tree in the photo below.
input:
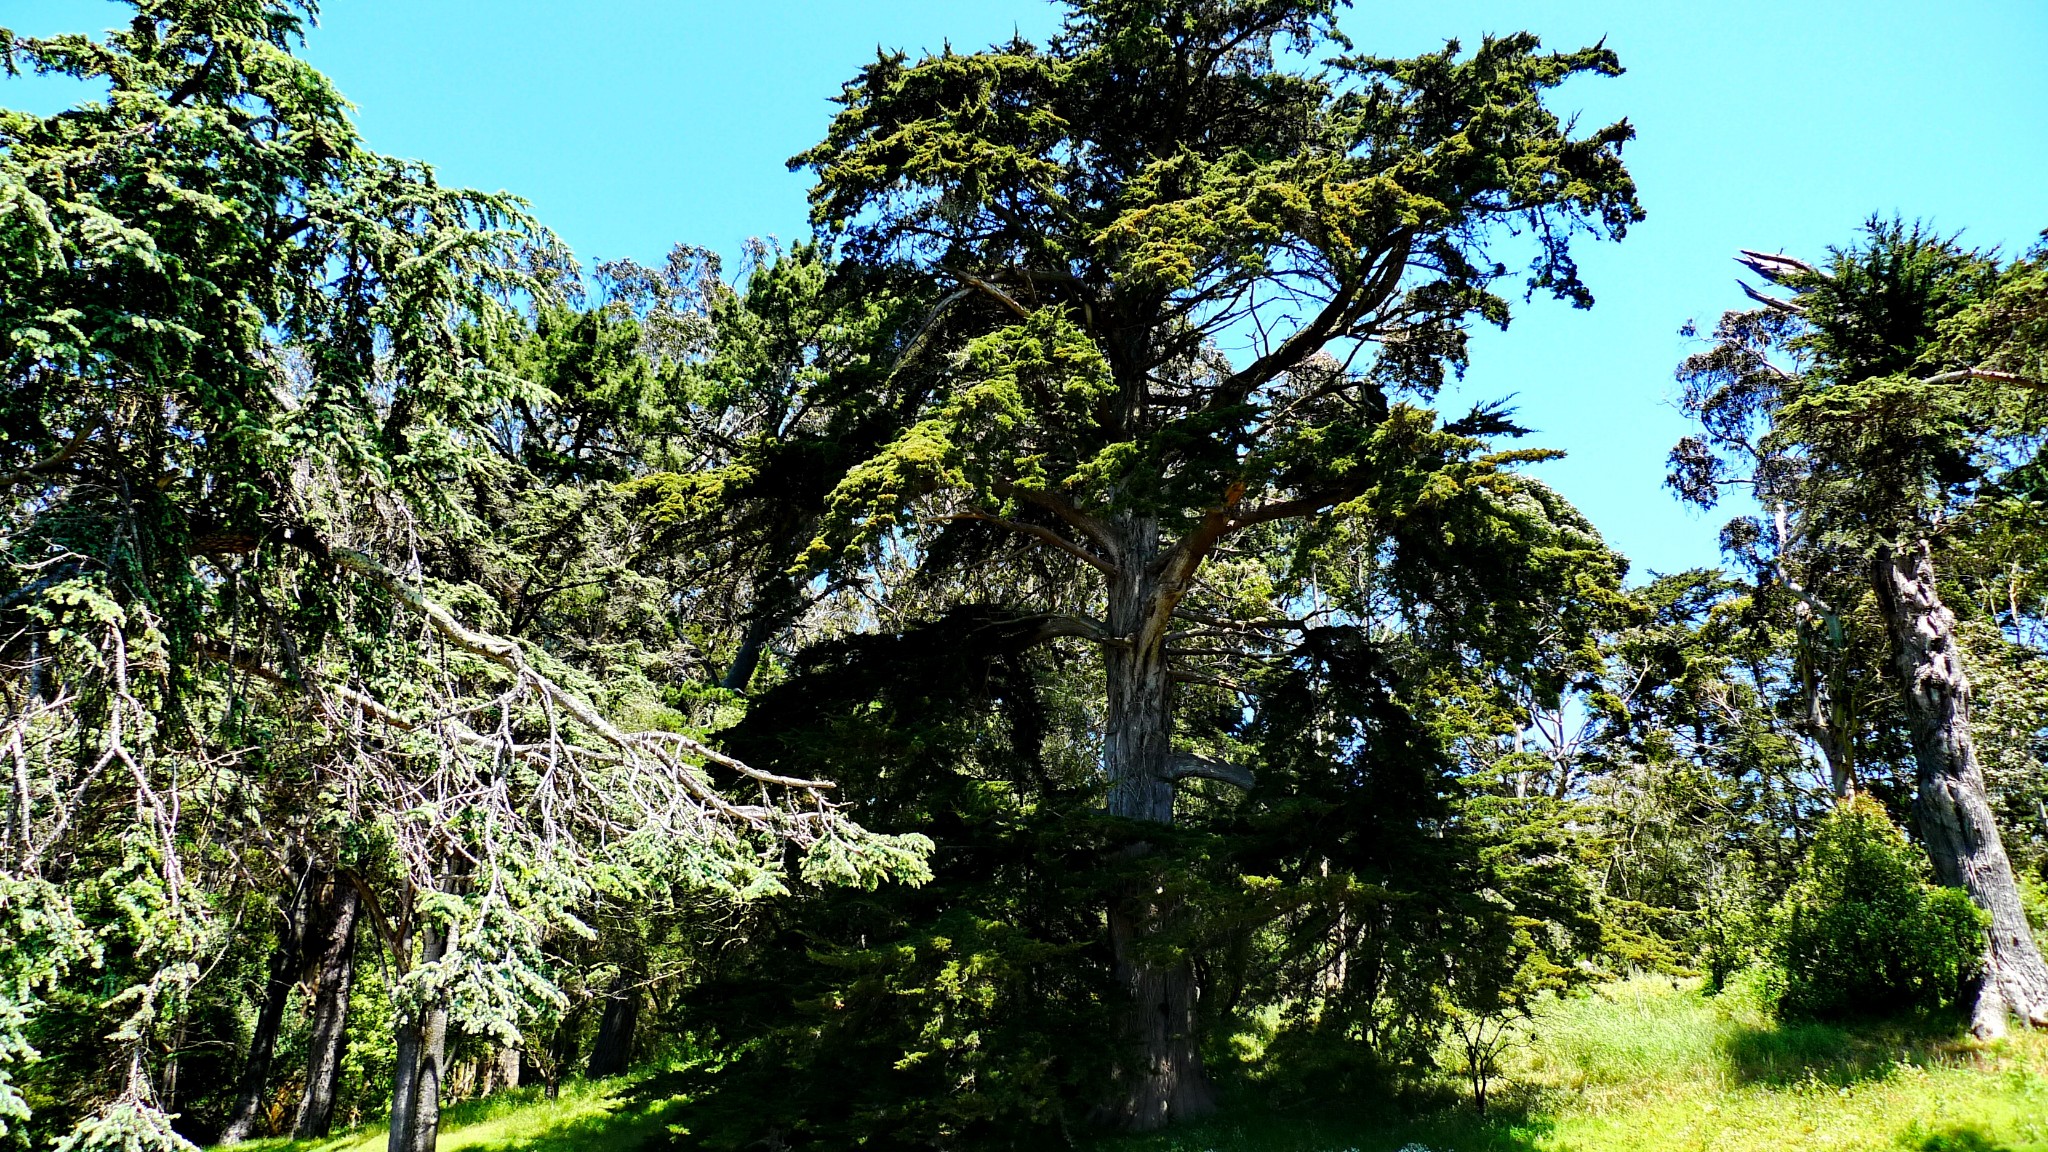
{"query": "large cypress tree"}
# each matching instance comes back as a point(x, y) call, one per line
point(1187, 282)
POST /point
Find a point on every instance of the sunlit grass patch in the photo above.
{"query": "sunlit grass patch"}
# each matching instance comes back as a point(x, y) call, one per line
point(600, 1116)
point(1655, 1065)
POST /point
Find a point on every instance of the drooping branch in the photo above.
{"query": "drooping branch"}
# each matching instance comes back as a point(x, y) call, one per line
point(373, 709)
point(508, 655)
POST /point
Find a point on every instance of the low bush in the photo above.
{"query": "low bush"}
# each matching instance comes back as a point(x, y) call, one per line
point(1862, 931)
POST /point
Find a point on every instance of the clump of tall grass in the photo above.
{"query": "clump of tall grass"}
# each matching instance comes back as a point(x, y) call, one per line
point(1637, 1030)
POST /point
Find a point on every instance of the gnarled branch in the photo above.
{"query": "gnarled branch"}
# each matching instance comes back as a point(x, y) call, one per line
point(1187, 765)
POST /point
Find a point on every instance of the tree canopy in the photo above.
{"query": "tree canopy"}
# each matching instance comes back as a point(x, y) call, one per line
point(1028, 656)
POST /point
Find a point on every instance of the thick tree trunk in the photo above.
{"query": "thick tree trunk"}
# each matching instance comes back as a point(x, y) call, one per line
point(748, 657)
point(1952, 807)
point(422, 1057)
point(277, 990)
point(332, 943)
point(1162, 1079)
point(508, 1067)
point(612, 1052)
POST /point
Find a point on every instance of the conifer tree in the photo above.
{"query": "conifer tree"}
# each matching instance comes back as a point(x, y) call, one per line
point(245, 377)
point(1885, 414)
point(1187, 285)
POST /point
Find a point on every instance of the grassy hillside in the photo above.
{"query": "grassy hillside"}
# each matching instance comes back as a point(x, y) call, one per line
point(1639, 1066)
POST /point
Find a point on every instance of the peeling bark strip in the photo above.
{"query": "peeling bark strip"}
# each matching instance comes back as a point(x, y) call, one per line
point(1952, 807)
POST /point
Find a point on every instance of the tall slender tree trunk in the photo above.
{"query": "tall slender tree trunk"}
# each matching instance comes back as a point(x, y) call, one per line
point(1162, 1079)
point(332, 944)
point(1830, 722)
point(277, 990)
point(1952, 807)
point(422, 1059)
point(611, 1053)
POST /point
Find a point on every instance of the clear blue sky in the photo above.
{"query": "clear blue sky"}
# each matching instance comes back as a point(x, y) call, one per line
point(1773, 124)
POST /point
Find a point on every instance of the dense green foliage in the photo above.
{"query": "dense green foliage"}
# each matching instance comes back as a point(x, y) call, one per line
point(875, 683)
point(1862, 931)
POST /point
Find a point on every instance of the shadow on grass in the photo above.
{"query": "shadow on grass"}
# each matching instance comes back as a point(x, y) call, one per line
point(1961, 1138)
point(1841, 1055)
point(628, 1114)
point(1383, 1128)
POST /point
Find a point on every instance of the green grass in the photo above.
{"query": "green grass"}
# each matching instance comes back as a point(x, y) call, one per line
point(1644, 1065)
point(618, 1115)
point(1647, 1065)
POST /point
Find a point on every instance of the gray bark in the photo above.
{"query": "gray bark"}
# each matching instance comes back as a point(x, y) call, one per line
point(1830, 721)
point(748, 658)
point(333, 946)
point(422, 1057)
point(277, 990)
point(1163, 1079)
point(1952, 807)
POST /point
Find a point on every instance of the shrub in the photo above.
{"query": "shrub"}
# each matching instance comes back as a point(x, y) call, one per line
point(1862, 932)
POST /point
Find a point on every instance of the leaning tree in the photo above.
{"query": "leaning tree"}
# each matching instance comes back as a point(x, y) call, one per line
point(1183, 275)
point(1887, 414)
